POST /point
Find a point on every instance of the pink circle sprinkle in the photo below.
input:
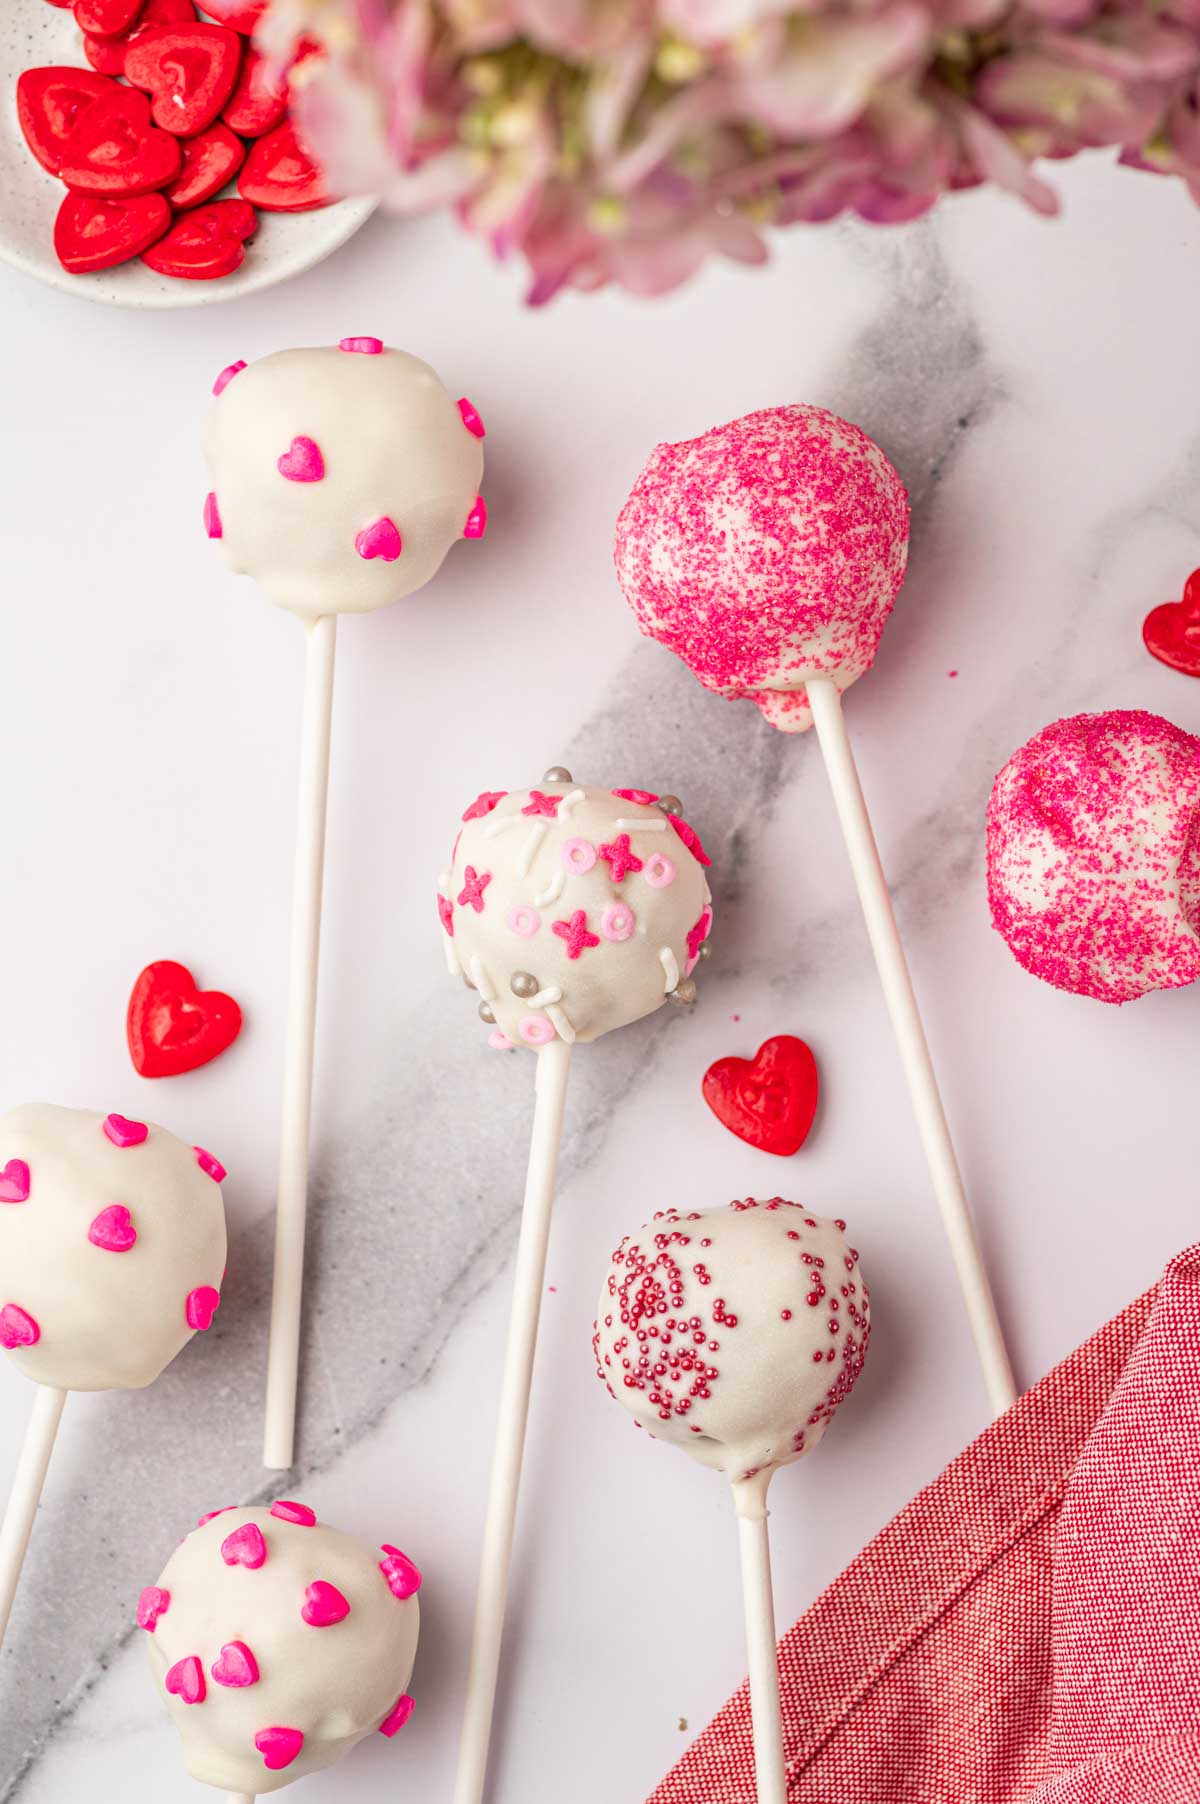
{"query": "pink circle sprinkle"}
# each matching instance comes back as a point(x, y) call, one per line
point(125, 1133)
point(211, 1167)
point(660, 871)
point(618, 922)
point(524, 920)
point(578, 855)
point(368, 347)
point(227, 375)
point(535, 1030)
point(297, 1513)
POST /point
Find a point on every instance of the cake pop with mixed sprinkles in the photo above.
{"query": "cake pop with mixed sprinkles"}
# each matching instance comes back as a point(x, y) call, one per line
point(277, 1643)
point(1093, 855)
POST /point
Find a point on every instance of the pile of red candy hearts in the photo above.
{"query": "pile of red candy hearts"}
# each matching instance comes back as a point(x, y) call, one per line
point(142, 158)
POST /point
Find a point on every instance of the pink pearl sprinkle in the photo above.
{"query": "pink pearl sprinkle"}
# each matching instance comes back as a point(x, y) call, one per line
point(369, 347)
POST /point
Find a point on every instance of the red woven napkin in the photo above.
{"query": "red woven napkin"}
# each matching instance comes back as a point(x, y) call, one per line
point(1028, 1629)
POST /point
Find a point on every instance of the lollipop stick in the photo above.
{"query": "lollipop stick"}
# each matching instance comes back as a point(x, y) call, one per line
point(901, 1002)
point(553, 1062)
point(240, 1797)
point(292, 1203)
point(26, 1491)
point(765, 1717)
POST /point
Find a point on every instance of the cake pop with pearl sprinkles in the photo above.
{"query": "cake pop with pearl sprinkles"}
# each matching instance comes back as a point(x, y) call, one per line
point(1093, 855)
point(573, 910)
point(766, 551)
point(277, 1643)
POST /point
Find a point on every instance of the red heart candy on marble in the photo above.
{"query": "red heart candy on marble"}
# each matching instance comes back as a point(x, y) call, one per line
point(113, 1230)
point(770, 1100)
point(49, 104)
point(237, 15)
point(209, 241)
point(210, 159)
point(14, 1182)
point(189, 70)
point(278, 1747)
point(94, 232)
point(1172, 631)
point(106, 16)
point(323, 1605)
point(106, 51)
point(172, 1026)
point(257, 103)
point(245, 1546)
point(236, 1666)
point(116, 151)
point(185, 1681)
point(281, 175)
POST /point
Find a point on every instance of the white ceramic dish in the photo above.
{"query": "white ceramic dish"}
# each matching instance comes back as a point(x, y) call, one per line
point(33, 33)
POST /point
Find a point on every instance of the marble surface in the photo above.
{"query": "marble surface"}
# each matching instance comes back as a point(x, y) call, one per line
point(1036, 386)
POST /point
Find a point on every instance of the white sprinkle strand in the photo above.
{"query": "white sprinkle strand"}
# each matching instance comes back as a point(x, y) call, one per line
point(481, 980)
point(528, 852)
point(670, 967)
point(552, 891)
point(501, 823)
point(570, 803)
point(641, 826)
point(561, 1023)
point(443, 882)
point(545, 997)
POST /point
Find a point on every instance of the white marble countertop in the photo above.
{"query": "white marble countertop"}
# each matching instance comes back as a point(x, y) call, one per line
point(1036, 385)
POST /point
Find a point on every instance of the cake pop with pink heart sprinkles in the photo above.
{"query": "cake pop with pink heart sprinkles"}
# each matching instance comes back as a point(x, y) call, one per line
point(1093, 855)
point(574, 910)
point(112, 1247)
point(278, 1643)
point(766, 551)
point(341, 475)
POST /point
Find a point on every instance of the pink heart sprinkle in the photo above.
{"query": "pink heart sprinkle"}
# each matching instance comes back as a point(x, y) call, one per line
point(186, 1681)
point(380, 539)
point(396, 1718)
point(323, 1605)
point(212, 518)
point(403, 1577)
point(476, 524)
point(471, 419)
point(18, 1328)
point(125, 1133)
point(202, 1305)
point(113, 1229)
point(14, 1182)
point(152, 1604)
point(299, 1513)
point(236, 1666)
point(210, 1166)
point(245, 1547)
point(302, 461)
point(278, 1747)
point(227, 375)
point(213, 1514)
point(369, 347)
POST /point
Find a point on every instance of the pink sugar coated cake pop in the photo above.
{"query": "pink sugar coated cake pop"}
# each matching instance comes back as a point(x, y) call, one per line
point(734, 1333)
point(278, 1643)
point(765, 551)
point(1093, 855)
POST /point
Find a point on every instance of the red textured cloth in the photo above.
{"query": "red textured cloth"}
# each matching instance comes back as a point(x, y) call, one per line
point(1027, 1631)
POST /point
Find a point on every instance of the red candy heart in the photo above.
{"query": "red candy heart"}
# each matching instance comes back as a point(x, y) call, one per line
point(49, 104)
point(768, 1101)
point(114, 150)
point(281, 176)
point(1172, 632)
point(106, 16)
point(107, 53)
point(257, 104)
point(190, 70)
point(209, 160)
point(209, 241)
point(94, 232)
point(237, 15)
point(172, 1026)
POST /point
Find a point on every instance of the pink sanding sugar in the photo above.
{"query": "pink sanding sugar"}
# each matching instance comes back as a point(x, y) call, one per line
point(766, 550)
point(1093, 853)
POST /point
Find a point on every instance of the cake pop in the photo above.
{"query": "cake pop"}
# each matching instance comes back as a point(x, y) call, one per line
point(112, 1249)
point(572, 911)
point(735, 1334)
point(1093, 855)
point(277, 1643)
point(341, 477)
point(767, 554)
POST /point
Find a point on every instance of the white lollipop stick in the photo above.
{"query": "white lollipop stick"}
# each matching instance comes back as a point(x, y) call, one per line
point(240, 1797)
point(292, 1202)
point(26, 1492)
point(750, 1501)
point(553, 1063)
point(855, 822)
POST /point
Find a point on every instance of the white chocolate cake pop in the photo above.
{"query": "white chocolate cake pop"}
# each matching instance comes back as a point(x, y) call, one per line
point(341, 475)
point(574, 910)
point(112, 1246)
point(734, 1333)
point(278, 1643)
point(767, 551)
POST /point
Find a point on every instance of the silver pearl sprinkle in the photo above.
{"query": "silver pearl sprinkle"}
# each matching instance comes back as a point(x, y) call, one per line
point(683, 993)
point(558, 773)
point(524, 983)
point(706, 950)
point(485, 1012)
point(670, 804)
